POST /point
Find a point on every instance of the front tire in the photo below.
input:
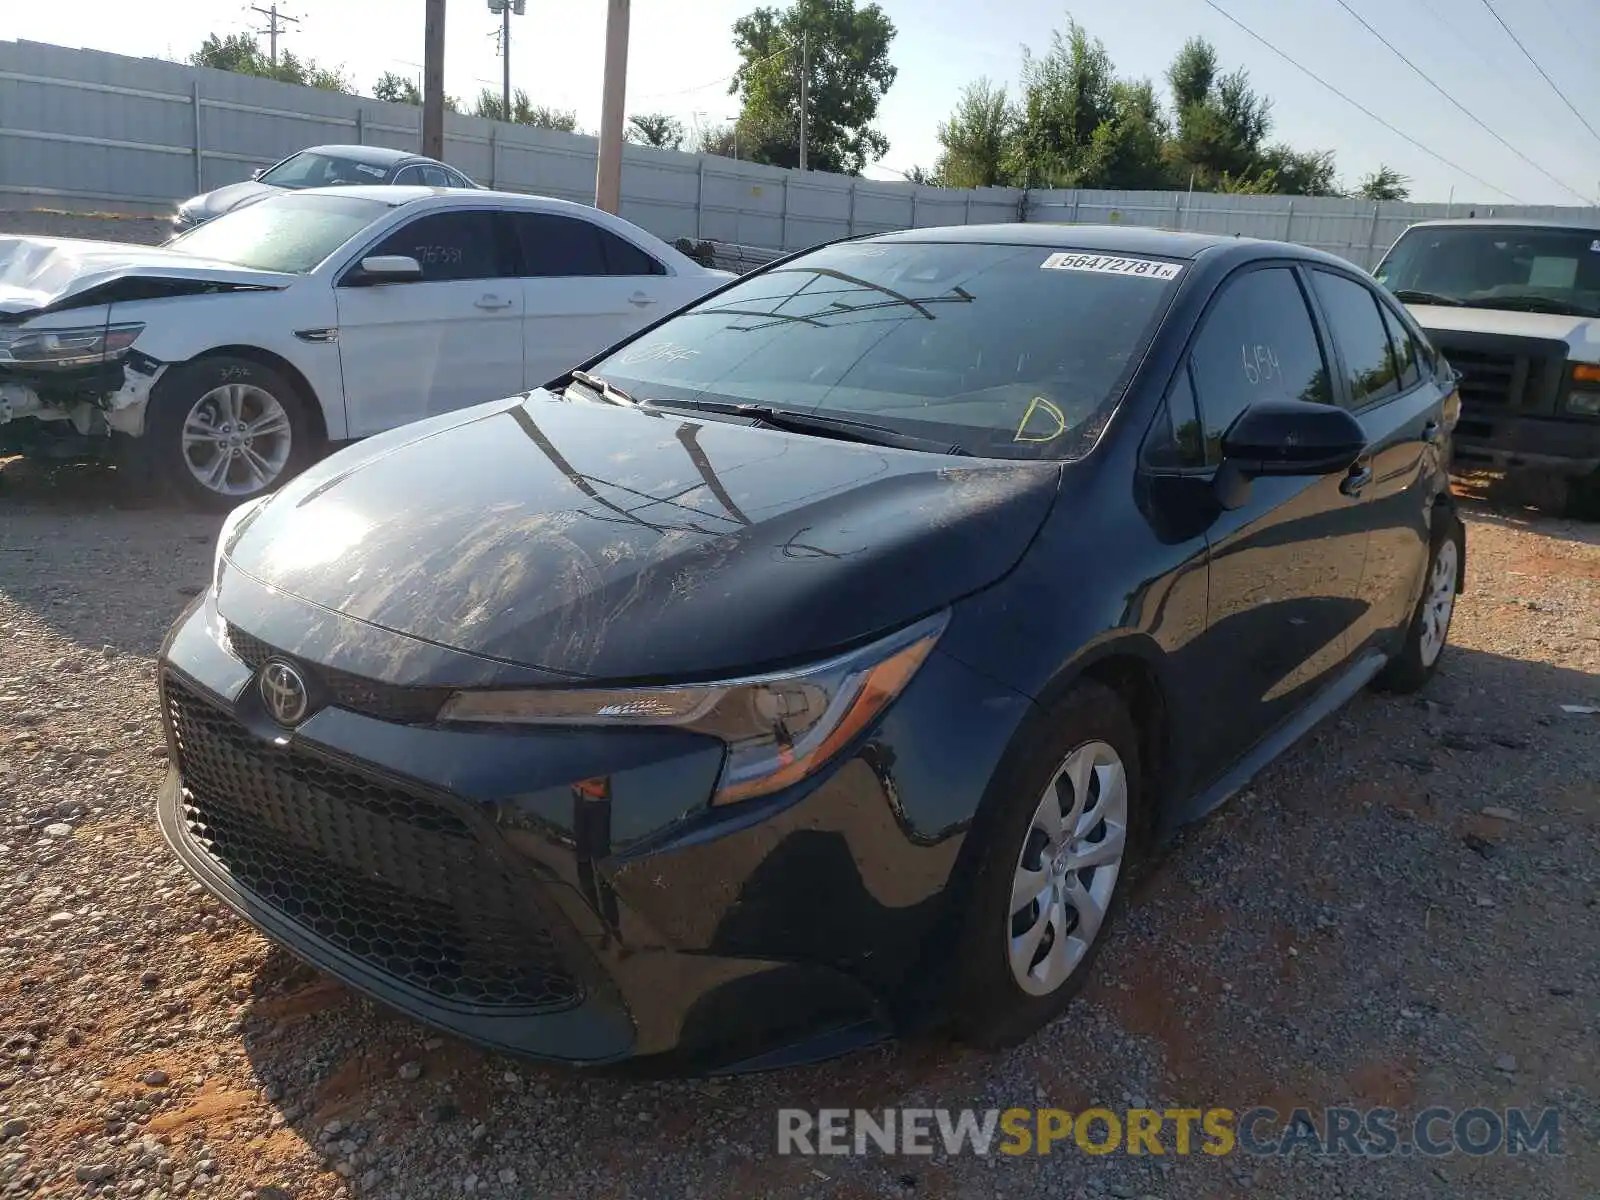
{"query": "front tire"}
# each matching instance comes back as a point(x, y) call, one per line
point(1056, 860)
point(1429, 630)
point(224, 430)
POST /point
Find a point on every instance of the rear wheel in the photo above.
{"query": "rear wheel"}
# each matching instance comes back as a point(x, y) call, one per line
point(1430, 620)
point(223, 430)
point(1055, 868)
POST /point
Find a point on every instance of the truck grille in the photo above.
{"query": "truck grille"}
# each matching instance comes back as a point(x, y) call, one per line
point(395, 878)
point(384, 701)
point(1496, 379)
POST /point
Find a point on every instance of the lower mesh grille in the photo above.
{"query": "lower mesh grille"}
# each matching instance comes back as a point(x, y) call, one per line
point(395, 878)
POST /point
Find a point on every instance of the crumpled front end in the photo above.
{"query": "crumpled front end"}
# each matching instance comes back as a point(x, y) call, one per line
point(60, 406)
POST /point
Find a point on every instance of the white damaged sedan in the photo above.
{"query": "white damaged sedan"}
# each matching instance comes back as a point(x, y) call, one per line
point(221, 363)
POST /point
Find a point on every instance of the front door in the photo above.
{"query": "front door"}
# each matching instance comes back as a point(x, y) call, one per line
point(1285, 566)
point(452, 338)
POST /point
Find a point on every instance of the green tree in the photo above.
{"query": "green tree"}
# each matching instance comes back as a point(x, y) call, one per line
point(396, 89)
point(489, 105)
point(1128, 148)
point(849, 73)
point(720, 140)
point(976, 138)
point(656, 129)
point(242, 54)
point(1300, 172)
point(1222, 122)
point(1384, 184)
point(1067, 93)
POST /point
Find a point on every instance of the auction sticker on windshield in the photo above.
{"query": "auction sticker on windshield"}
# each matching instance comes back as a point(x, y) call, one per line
point(1105, 264)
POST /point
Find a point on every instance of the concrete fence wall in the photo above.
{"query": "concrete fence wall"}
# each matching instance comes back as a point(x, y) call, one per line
point(81, 129)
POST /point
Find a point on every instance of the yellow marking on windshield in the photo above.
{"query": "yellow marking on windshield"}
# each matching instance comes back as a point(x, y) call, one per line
point(1040, 405)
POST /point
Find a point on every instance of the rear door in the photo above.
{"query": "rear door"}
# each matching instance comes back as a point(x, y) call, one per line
point(583, 288)
point(1285, 567)
point(450, 339)
point(1392, 391)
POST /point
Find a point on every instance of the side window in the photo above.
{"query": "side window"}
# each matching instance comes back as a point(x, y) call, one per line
point(457, 179)
point(408, 176)
point(435, 177)
point(555, 246)
point(1174, 439)
point(1404, 346)
point(1352, 311)
point(450, 245)
point(1257, 343)
point(624, 258)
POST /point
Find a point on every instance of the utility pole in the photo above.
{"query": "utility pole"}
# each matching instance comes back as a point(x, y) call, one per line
point(608, 172)
point(433, 81)
point(505, 8)
point(274, 21)
point(805, 94)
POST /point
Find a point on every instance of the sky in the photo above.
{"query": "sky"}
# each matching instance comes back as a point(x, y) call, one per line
point(682, 57)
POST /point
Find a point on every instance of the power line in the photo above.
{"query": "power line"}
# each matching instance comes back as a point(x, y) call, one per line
point(1429, 80)
point(1553, 86)
point(275, 21)
point(782, 50)
point(1434, 154)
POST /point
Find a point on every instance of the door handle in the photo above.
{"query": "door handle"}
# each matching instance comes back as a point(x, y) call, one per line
point(1353, 483)
point(1430, 433)
point(491, 302)
point(640, 300)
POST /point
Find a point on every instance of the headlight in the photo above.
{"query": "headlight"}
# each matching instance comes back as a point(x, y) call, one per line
point(231, 525)
point(778, 728)
point(60, 348)
point(1586, 404)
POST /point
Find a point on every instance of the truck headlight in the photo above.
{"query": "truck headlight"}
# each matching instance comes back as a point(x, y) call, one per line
point(778, 728)
point(58, 349)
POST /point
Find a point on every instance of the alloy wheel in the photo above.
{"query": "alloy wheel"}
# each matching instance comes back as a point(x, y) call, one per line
point(237, 439)
point(1068, 868)
point(1439, 602)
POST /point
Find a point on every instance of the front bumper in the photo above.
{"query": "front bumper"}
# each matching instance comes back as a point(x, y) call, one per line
point(1504, 440)
point(467, 878)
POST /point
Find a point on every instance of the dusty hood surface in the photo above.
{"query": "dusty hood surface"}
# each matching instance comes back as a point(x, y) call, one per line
point(226, 199)
point(50, 273)
point(610, 543)
point(1581, 334)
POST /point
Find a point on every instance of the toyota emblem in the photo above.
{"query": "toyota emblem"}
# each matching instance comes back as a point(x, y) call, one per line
point(284, 693)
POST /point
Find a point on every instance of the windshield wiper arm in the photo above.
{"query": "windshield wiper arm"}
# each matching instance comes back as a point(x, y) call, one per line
point(801, 422)
point(1417, 296)
point(1545, 304)
point(604, 388)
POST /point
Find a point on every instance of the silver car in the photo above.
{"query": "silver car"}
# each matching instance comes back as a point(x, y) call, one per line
point(321, 166)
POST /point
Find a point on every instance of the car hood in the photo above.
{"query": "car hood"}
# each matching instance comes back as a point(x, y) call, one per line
point(1581, 334)
point(605, 542)
point(226, 199)
point(42, 274)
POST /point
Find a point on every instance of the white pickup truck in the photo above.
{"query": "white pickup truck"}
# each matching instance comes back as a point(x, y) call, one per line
point(1514, 305)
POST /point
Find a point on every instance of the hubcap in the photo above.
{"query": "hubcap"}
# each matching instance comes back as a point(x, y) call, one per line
point(1438, 602)
point(1068, 868)
point(237, 439)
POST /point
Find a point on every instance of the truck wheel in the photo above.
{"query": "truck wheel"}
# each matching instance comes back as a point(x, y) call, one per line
point(223, 430)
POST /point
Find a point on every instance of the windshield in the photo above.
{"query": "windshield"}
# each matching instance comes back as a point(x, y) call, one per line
point(1554, 270)
point(1004, 351)
point(308, 169)
point(284, 233)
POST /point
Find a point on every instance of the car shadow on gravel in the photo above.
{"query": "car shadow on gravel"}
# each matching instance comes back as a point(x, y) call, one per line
point(1252, 968)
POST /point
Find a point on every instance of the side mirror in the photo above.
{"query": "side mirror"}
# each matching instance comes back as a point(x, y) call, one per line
point(1287, 438)
point(388, 268)
point(258, 173)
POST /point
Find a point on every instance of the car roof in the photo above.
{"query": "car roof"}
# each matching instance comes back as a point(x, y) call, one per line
point(394, 196)
point(377, 156)
point(1508, 223)
point(1100, 239)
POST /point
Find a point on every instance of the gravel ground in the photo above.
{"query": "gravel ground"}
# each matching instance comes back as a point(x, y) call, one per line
point(110, 227)
point(1359, 927)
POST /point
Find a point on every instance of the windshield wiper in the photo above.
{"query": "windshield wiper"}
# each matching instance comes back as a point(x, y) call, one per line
point(604, 388)
point(801, 422)
point(1544, 304)
point(1414, 296)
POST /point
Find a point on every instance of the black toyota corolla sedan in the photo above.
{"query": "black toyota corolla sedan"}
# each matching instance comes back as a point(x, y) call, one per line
point(816, 665)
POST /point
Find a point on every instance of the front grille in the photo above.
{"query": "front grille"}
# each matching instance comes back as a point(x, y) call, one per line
point(386, 702)
point(396, 878)
point(1494, 378)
